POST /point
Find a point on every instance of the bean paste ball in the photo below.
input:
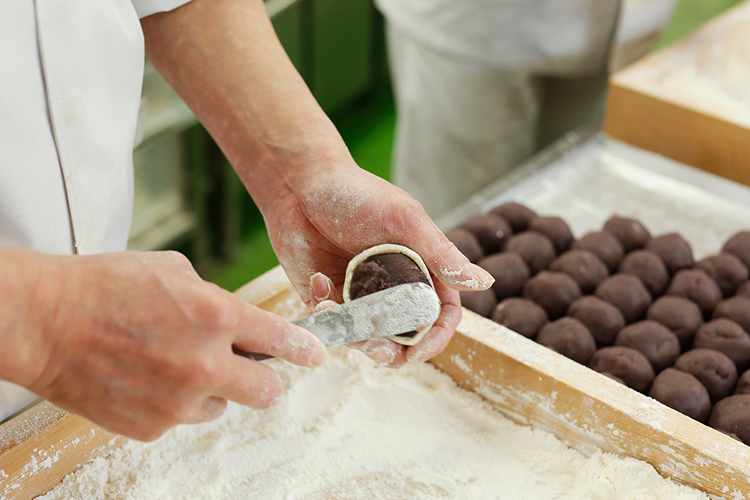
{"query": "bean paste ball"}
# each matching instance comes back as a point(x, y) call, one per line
point(517, 215)
point(655, 341)
point(727, 270)
point(732, 415)
point(739, 245)
point(697, 286)
point(555, 292)
point(743, 384)
point(481, 302)
point(627, 293)
point(492, 231)
point(510, 272)
point(649, 268)
point(678, 314)
point(631, 233)
point(384, 271)
point(737, 309)
point(568, 337)
point(602, 319)
point(625, 363)
point(673, 250)
point(605, 246)
point(724, 335)
point(744, 290)
point(535, 248)
point(520, 315)
point(583, 266)
point(467, 243)
point(554, 228)
point(682, 392)
point(713, 368)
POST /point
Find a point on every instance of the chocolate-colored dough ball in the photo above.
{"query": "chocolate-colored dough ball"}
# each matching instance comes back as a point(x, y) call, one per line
point(510, 272)
point(732, 415)
point(678, 314)
point(553, 291)
point(727, 270)
point(743, 384)
point(724, 335)
point(625, 363)
point(649, 268)
point(744, 290)
point(616, 379)
point(492, 232)
point(554, 228)
point(673, 250)
point(696, 285)
point(655, 341)
point(631, 233)
point(683, 392)
point(517, 215)
point(602, 319)
point(604, 245)
point(482, 302)
point(583, 266)
point(713, 368)
point(384, 271)
point(467, 243)
point(570, 338)
point(535, 248)
point(627, 293)
point(737, 309)
point(739, 245)
point(520, 315)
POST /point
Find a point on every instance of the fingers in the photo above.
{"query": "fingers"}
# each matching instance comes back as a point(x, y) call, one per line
point(250, 383)
point(442, 331)
point(322, 289)
point(326, 304)
point(383, 351)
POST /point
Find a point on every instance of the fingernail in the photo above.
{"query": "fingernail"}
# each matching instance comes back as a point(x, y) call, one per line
point(484, 278)
point(472, 277)
point(321, 286)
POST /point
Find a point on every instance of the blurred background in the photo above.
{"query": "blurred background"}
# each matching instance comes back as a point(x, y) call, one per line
point(187, 196)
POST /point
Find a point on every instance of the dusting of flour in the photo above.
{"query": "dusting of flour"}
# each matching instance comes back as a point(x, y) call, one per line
point(353, 429)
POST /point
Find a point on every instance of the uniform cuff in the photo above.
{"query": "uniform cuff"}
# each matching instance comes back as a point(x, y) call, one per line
point(147, 7)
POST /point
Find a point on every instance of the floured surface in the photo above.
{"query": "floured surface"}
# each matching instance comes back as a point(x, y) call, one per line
point(352, 429)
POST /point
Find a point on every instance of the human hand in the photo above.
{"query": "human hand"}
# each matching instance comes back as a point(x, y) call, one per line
point(138, 343)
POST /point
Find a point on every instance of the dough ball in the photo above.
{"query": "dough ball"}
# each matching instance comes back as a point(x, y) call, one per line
point(649, 268)
point(492, 231)
point(732, 415)
point(680, 315)
point(583, 266)
point(744, 290)
point(516, 214)
point(631, 233)
point(696, 285)
point(673, 250)
point(384, 271)
point(625, 363)
point(520, 315)
point(467, 243)
point(737, 309)
point(724, 335)
point(655, 341)
point(603, 320)
point(570, 338)
point(739, 245)
point(553, 291)
point(604, 245)
point(627, 293)
point(510, 272)
point(554, 228)
point(482, 302)
point(713, 368)
point(683, 392)
point(535, 248)
point(727, 270)
point(743, 384)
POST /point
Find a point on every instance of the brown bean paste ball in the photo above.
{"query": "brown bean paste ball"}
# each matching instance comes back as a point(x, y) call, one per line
point(627, 293)
point(602, 319)
point(713, 368)
point(583, 266)
point(568, 337)
point(673, 250)
point(743, 384)
point(732, 415)
point(737, 309)
point(481, 302)
point(631, 233)
point(492, 231)
point(655, 341)
point(727, 270)
point(510, 272)
point(520, 315)
point(605, 246)
point(517, 215)
point(555, 292)
point(678, 314)
point(649, 268)
point(384, 271)
point(535, 248)
point(696, 285)
point(625, 363)
point(744, 290)
point(683, 392)
point(467, 244)
point(724, 335)
point(554, 228)
point(739, 245)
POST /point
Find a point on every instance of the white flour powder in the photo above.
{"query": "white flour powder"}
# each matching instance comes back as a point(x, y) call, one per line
point(352, 429)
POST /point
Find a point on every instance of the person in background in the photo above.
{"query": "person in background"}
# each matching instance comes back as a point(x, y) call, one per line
point(138, 342)
point(480, 85)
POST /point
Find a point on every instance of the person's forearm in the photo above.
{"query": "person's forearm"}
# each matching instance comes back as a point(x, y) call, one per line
point(224, 59)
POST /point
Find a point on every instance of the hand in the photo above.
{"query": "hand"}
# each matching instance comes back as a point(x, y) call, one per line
point(337, 213)
point(139, 343)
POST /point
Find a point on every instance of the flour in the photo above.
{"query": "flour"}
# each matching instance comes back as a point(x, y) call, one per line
point(353, 429)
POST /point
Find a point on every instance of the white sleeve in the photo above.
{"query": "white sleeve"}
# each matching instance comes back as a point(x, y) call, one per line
point(147, 7)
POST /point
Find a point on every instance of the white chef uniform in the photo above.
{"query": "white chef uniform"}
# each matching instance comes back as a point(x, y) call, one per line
point(70, 87)
point(468, 81)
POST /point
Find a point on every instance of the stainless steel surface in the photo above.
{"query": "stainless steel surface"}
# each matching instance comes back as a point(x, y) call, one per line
point(386, 313)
